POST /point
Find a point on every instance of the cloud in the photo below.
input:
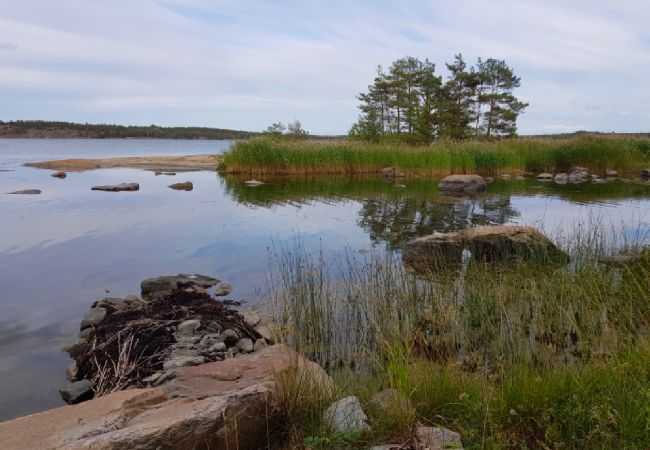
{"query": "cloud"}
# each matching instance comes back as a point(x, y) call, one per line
point(8, 46)
point(247, 64)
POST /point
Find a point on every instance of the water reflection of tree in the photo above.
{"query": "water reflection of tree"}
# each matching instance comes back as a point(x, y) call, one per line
point(398, 220)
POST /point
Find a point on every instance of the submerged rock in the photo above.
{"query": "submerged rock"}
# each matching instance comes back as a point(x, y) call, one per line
point(347, 415)
point(117, 187)
point(462, 184)
point(186, 186)
point(26, 192)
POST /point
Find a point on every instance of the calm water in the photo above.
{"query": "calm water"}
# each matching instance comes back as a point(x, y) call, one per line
point(63, 249)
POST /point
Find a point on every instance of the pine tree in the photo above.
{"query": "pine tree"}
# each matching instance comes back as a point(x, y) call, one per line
point(456, 100)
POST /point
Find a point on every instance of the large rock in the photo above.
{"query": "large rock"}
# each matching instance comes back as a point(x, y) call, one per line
point(117, 187)
point(77, 392)
point(462, 184)
point(488, 243)
point(577, 176)
point(561, 178)
point(185, 186)
point(93, 316)
point(434, 438)
point(346, 415)
point(228, 404)
point(173, 282)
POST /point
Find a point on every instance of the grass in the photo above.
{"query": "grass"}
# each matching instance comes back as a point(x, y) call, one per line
point(517, 356)
point(266, 156)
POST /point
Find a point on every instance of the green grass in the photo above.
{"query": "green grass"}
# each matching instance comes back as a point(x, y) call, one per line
point(513, 356)
point(266, 156)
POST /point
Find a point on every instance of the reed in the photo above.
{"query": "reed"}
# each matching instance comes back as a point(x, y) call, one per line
point(266, 156)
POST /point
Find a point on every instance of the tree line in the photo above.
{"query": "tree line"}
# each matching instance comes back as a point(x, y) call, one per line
point(411, 103)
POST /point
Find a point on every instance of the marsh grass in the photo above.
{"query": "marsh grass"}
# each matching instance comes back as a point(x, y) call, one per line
point(514, 356)
point(266, 156)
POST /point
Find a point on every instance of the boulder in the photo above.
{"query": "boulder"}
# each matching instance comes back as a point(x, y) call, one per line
point(173, 282)
point(609, 173)
point(251, 317)
point(388, 172)
point(186, 186)
point(245, 345)
point(434, 438)
point(77, 392)
point(228, 404)
point(27, 192)
point(561, 178)
point(545, 176)
point(253, 183)
point(59, 175)
point(229, 337)
point(441, 251)
point(577, 176)
point(223, 289)
point(92, 317)
point(462, 184)
point(346, 415)
point(117, 187)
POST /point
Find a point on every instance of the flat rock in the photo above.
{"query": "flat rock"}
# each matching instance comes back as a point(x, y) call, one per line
point(92, 317)
point(117, 187)
point(346, 415)
point(462, 184)
point(185, 186)
point(77, 392)
point(545, 176)
point(253, 183)
point(577, 176)
point(59, 174)
point(172, 282)
point(435, 438)
point(26, 192)
point(182, 361)
point(157, 173)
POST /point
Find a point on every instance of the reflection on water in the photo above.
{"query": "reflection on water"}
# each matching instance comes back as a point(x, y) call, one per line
point(63, 249)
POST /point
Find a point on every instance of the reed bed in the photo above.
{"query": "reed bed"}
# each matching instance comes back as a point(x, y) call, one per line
point(267, 156)
point(514, 356)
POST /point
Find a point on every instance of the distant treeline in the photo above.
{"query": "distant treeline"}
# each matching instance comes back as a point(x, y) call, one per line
point(46, 129)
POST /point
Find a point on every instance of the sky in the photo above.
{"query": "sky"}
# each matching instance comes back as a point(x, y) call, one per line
point(584, 64)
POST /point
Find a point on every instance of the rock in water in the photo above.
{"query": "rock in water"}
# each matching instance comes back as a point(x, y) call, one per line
point(27, 192)
point(561, 178)
point(117, 187)
point(462, 184)
point(77, 392)
point(434, 438)
point(59, 174)
point(223, 289)
point(576, 176)
point(545, 176)
point(346, 415)
point(253, 183)
point(166, 283)
point(94, 316)
point(388, 172)
point(611, 173)
point(186, 186)
point(645, 174)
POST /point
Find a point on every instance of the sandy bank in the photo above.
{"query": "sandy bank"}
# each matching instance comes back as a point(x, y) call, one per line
point(186, 163)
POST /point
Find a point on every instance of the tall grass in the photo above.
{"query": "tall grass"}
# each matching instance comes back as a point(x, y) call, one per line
point(512, 356)
point(266, 156)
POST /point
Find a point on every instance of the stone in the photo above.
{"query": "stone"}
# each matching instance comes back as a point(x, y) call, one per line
point(165, 173)
point(388, 172)
point(245, 345)
point(435, 438)
point(233, 351)
point(223, 405)
point(520, 178)
point(117, 187)
point(93, 316)
point(545, 176)
point(218, 347)
point(27, 192)
point(182, 361)
point(260, 344)
point(85, 333)
point(185, 186)
point(609, 173)
point(389, 400)
point(223, 289)
point(644, 174)
point(441, 251)
point(462, 184)
point(583, 170)
point(266, 332)
point(251, 317)
point(253, 183)
point(188, 326)
point(400, 186)
point(229, 337)
point(346, 415)
point(165, 283)
point(112, 305)
point(77, 392)
point(506, 176)
point(489, 180)
point(72, 371)
point(59, 174)
point(76, 348)
point(576, 176)
point(561, 178)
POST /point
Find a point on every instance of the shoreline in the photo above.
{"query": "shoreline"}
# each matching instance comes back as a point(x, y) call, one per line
point(187, 163)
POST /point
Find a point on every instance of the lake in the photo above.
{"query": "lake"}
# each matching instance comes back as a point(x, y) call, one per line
point(65, 248)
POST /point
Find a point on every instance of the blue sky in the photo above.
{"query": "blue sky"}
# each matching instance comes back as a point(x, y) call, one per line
point(245, 64)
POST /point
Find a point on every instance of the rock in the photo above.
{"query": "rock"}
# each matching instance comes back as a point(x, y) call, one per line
point(434, 438)
point(545, 176)
point(172, 282)
point(253, 183)
point(583, 170)
point(188, 327)
point(260, 344)
point(644, 174)
point(233, 351)
point(165, 173)
point(229, 337)
point(186, 186)
point(85, 333)
point(388, 172)
point(111, 304)
point(92, 317)
point(389, 400)
point(489, 180)
point(462, 183)
point(609, 173)
point(401, 175)
point(561, 178)
point(245, 345)
point(576, 176)
point(72, 371)
point(388, 447)
point(487, 243)
point(400, 186)
point(224, 405)
point(223, 289)
point(77, 392)
point(117, 187)
point(251, 317)
point(218, 347)
point(77, 348)
point(520, 178)
point(27, 192)
point(266, 332)
point(346, 415)
point(59, 174)
point(182, 361)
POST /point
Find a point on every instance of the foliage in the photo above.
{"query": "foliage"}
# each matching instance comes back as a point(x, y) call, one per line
point(292, 131)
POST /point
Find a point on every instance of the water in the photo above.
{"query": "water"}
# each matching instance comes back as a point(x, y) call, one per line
point(63, 249)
